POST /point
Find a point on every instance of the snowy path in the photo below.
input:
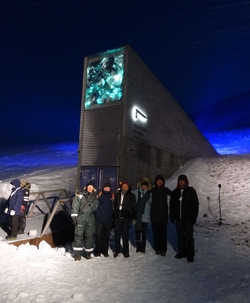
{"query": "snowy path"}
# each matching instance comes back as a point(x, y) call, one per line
point(220, 273)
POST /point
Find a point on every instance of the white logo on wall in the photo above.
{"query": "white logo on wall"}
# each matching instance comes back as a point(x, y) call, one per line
point(137, 114)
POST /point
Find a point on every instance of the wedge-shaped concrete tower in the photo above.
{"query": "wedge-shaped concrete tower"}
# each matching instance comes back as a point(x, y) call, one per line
point(131, 127)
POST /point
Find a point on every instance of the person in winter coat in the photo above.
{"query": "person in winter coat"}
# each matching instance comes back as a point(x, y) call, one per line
point(22, 218)
point(125, 212)
point(184, 207)
point(143, 202)
point(159, 214)
point(104, 219)
point(14, 208)
point(83, 210)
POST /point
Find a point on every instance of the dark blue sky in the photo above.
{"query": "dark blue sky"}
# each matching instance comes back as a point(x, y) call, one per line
point(199, 50)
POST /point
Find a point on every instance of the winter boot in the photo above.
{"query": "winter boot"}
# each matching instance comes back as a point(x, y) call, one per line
point(77, 258)
point(143, 247)
point(126, 255)
point(88, 256)
point(138, 246)
point(190, 258)
point(10, 237)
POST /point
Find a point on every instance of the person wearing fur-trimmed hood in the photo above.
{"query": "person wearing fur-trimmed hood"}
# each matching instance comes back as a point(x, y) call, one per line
point(83, 208)
point(159, 214)
point(143, 203)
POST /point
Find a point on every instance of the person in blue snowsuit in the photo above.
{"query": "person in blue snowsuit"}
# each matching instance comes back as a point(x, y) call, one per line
point(14, 208)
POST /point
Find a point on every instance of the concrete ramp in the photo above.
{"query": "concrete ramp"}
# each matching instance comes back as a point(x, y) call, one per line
point(59, 231)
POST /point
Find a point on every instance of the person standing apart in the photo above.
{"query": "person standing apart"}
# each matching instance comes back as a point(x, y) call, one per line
point(143, 202)
point(125, 211)
point(184, 208)
point(83, 207)
point(159, 214)
point(14, 208)
point(26, 194)
point(104, 219)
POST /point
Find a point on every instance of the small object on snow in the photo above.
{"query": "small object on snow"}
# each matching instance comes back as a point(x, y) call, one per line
point(33, 233)
point(205, 216)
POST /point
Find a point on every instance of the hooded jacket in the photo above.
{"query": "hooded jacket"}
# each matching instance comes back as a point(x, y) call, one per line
point(159, 207)
point(104, 212)
point(184, 203)
point(16, 197)
point(84, 205)
point(144, 203)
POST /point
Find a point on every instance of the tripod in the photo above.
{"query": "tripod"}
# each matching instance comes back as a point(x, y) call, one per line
point(220, 220)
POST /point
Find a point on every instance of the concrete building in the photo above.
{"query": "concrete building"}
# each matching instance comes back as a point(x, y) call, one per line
point(131, 127)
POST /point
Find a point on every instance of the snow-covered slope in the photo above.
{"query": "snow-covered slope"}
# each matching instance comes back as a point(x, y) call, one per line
point(220, 272)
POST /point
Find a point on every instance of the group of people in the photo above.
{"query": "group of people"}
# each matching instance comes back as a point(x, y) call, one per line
point(16, 207)
point(95, 213)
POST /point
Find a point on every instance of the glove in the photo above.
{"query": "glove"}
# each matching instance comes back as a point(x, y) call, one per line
point(74, 220)
point(12, 212)
point(22, 208)
point(6, 210)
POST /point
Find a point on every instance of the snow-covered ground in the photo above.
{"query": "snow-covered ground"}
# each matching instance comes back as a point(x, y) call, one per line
point(220, 272)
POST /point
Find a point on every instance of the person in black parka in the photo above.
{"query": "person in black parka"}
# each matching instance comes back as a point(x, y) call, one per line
point(184, 207)
point(159, 214)
point(125, 212)
point(104, 219)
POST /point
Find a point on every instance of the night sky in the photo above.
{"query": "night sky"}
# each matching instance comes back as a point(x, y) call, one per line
point(199, 50)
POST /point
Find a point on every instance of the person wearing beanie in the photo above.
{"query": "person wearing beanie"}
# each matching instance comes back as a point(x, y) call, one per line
point(124, 213)
point(14, 208)
point(143, 201)
point(184, 207)
point(159, 214)
point(104, 220)
point(83, 208)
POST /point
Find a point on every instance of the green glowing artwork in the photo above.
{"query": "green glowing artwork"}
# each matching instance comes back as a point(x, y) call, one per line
point(104, 79)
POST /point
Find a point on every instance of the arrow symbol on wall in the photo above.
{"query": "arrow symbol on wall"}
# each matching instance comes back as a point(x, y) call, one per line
point(137, 112)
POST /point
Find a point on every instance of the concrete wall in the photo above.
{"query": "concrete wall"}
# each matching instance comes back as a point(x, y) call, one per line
point(167, 139)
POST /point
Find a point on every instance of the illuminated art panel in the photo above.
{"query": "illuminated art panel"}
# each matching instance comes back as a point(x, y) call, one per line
point(104, 79)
